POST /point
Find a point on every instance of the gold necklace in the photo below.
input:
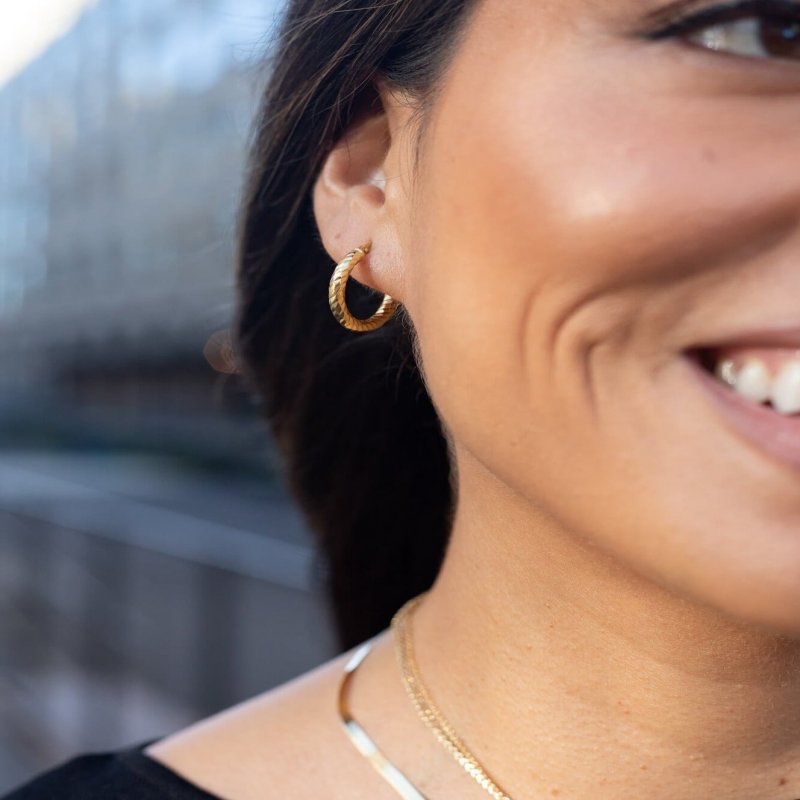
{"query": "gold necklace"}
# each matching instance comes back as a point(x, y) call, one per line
point(361, 739)
point(427, 709)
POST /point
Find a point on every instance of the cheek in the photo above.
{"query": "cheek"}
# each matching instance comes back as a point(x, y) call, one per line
point(578, 215)
point(578, 233)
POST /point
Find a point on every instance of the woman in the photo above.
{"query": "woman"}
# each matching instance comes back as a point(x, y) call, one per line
point(585, 219)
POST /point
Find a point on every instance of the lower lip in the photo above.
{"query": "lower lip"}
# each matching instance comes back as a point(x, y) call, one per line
point(760, 425)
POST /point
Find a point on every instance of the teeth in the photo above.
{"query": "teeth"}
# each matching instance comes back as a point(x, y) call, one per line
point(753, 381)
point(786, 388)
point(726, 371)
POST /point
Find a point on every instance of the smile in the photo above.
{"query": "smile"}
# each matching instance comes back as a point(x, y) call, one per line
point(757, 392)
point(763, 376)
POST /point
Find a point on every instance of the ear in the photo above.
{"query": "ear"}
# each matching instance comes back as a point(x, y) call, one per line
point(358, 196)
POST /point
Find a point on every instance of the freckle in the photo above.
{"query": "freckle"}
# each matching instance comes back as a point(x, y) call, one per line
point(555, 792)
point(643, 766)
point(782, 782)
point(709, 154)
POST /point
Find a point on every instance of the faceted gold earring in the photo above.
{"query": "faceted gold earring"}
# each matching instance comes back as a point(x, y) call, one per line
point(338, 304)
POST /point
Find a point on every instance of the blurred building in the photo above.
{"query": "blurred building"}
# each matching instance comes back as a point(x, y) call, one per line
point(136, 595)
point(121, 159)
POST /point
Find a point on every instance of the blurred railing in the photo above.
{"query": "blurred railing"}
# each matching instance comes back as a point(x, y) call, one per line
point(135, 599)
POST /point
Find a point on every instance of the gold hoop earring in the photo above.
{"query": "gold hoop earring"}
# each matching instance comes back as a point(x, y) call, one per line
point(338, 304)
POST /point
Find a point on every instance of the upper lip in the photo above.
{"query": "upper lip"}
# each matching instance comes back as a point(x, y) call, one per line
point(776, 336)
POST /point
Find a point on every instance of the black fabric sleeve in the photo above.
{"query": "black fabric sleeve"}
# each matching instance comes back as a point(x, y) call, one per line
point(119, 775)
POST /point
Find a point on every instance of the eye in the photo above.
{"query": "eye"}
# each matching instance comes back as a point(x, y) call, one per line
point(752, 36)
point(753, 28)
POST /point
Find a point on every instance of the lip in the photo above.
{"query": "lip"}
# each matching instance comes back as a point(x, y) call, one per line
point(773, 433)
point(777, 336)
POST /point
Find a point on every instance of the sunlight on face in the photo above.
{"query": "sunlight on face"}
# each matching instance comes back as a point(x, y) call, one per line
point(635, 200)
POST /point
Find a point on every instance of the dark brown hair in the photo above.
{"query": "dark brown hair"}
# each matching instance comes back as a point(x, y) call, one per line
point(366, 456)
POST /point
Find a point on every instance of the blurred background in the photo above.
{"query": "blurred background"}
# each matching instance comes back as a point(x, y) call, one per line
point(152, 568)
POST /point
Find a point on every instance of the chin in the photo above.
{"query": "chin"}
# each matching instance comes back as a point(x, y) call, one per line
point(770, 603)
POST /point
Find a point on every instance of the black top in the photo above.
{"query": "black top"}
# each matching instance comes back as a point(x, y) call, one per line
point(118, 775)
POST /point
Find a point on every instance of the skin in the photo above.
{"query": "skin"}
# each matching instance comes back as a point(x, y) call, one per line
point(618, 615)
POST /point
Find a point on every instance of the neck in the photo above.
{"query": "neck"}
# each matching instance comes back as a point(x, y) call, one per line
point(583, 678)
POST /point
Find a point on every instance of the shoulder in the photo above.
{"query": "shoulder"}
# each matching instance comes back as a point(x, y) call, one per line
point(233, 754)
point(123, 774)
point(290, 738)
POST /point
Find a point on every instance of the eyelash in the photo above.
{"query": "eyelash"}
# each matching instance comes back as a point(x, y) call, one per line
point(785, 11)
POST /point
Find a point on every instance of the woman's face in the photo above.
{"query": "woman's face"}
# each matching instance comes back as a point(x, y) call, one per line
point(590, 206)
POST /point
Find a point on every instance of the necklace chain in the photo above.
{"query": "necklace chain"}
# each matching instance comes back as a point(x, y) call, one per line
point(427, 709)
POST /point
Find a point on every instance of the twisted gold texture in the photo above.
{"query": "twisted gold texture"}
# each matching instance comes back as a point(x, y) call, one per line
point(338, 303)
point(427, 709)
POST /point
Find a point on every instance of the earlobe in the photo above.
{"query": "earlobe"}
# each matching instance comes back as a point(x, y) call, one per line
point(353, 201)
